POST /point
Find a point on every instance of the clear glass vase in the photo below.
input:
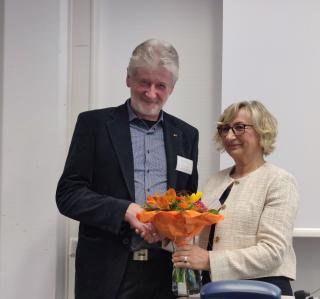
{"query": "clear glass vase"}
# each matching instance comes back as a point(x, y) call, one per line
point(186, 281)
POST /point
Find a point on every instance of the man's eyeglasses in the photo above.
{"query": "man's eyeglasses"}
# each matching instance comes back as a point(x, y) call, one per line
point(237, 129)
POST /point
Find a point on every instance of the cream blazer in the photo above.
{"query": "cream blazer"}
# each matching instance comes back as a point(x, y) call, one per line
point(255, 238)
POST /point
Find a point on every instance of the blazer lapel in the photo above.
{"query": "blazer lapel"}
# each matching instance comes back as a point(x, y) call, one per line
point(118, 127)
point(172, 139)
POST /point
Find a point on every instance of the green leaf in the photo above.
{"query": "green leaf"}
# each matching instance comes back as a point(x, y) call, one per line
point(179, 274)
point(213, 211)
point(174, 206)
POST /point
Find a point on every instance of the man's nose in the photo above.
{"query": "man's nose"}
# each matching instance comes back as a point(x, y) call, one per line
point(151, 92)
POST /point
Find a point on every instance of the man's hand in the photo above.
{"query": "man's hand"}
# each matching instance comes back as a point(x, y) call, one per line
point(131, 217)
point(145, 230)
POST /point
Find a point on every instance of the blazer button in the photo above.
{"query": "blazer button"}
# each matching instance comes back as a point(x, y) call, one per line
point(125, 241)
point(216, 239)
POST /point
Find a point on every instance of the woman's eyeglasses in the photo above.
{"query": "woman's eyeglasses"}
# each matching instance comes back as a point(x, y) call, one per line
point(237, 129)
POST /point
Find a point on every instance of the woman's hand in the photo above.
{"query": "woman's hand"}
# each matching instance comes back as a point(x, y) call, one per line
point(150, 235)
point(191, 256)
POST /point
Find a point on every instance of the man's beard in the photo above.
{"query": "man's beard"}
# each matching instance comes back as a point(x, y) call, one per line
point(145, 110)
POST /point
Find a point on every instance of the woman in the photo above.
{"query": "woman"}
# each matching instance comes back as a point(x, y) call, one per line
point(254, 241)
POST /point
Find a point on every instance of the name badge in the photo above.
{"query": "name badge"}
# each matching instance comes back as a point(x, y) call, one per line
point(184, 165)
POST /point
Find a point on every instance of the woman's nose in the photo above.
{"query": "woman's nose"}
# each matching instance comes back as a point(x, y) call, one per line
point(230, 134)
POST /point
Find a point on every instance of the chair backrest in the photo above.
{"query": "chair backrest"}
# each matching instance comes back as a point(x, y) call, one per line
point(240, 289)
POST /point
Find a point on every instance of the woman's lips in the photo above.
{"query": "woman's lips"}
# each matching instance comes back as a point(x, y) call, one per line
point(233, 146)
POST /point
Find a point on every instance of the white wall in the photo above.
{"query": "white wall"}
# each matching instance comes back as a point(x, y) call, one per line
point(35, 115)
point(33, 134)
point(79, 100)
point(308, 264)
point(194, 28)
point(271, 52)
point(1, 109)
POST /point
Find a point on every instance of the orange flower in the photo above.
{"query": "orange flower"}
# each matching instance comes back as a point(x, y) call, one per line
point(151, 201)
point(171, 195)
point(163, 203)
point(170, 201)
point(179, 198)
point(183, 204)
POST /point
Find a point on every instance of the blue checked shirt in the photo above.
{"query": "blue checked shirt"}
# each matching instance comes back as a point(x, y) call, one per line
point(149, 160)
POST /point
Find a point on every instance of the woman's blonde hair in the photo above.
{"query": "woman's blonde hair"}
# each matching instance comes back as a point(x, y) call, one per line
point(263, 121)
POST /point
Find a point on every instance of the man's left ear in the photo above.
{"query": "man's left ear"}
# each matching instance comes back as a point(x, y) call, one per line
point(172, 88)
point(128, 80)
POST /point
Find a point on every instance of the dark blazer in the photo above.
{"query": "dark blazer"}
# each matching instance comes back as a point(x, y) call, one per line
point(97, 185)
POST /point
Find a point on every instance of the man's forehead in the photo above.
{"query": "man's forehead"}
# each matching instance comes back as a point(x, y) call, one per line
point(159, 74)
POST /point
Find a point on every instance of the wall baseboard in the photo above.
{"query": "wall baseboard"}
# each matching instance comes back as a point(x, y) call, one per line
point(307, 232)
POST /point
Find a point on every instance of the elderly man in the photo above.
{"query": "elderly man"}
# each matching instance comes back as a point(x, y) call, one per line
point(117, 156)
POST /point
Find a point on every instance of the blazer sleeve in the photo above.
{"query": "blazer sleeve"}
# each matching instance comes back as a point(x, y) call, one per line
point(273, 239)
point(74, 197)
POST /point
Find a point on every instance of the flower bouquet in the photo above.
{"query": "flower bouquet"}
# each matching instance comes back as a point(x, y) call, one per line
point(179, 217)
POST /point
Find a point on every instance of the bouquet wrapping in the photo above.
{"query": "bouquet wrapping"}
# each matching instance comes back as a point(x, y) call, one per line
point(179, 218)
